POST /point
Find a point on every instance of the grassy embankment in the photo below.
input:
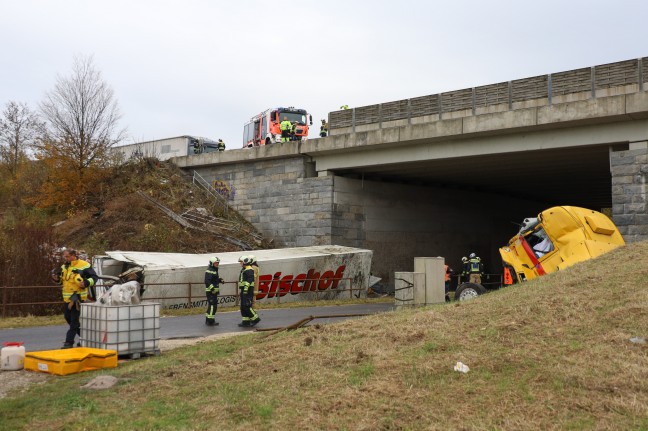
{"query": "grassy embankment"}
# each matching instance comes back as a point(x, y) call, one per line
point(554, 353)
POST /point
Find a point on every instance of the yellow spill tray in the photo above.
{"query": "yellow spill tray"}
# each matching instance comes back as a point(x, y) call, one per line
point(70, 361)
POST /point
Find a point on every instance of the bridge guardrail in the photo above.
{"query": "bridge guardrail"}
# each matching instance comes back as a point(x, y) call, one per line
point(627, 76)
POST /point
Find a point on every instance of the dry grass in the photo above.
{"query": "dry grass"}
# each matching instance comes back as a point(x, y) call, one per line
point(554, 353)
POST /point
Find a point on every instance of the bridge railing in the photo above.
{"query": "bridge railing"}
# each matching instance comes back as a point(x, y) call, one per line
point(622, 77)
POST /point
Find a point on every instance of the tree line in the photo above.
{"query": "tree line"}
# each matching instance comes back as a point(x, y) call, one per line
point(52, 157)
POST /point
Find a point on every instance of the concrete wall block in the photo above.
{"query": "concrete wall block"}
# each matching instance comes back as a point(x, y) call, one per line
point(637, 102)
point(622, 180)
point(491, 109)
point(619, 158)
point(634, 189)
point(641, 219)
point(638, 199)
point(586, 109)
point(425, 119)
point(629, 169)
point(620, 199)
point(635, 153)
point(499, 121)
point(631, 208)
point(635, 238)
point(617, 209)
point(638, 230)
point(624, 219)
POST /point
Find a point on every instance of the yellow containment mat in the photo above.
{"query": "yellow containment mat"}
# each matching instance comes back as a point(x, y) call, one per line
point(70, 361)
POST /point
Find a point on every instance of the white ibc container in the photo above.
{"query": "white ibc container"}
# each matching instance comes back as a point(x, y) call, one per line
point(12, 357)
point(129, 329)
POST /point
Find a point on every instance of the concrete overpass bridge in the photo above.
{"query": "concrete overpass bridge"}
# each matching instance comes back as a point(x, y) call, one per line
point(447, 174)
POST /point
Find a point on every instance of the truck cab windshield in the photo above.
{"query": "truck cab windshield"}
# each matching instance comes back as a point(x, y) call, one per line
point(292, 117)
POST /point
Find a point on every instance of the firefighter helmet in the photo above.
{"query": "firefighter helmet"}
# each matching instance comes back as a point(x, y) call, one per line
point(247, 260)
point(214, 260)
point(472, 255)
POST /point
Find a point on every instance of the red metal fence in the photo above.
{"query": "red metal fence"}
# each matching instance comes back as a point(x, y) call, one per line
point(19, 300)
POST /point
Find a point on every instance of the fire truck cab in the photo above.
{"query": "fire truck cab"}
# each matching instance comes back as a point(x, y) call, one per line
point(264, 128)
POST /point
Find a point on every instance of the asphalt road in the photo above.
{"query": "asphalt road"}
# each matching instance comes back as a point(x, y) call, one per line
point(51, 337)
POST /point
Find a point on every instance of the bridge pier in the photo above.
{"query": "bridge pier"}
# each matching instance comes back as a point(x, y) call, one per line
point(629, 202)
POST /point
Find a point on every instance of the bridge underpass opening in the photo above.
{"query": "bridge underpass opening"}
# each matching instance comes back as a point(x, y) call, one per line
point(453, 207)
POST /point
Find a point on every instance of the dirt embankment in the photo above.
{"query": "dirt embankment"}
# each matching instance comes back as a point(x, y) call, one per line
point(133, 210)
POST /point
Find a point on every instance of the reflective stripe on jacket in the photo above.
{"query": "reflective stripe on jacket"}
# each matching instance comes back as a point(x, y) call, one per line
point(71, 274)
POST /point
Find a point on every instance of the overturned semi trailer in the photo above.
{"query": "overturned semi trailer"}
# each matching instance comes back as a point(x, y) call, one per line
point(176, 280)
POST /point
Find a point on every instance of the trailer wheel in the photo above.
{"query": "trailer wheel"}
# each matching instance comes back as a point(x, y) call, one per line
point(268, 141)
point(468, 291)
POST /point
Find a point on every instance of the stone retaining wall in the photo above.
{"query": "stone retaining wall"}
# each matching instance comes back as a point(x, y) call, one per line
point(629, 203)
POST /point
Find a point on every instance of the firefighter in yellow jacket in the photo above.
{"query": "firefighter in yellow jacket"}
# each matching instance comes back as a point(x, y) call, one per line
point(286, 128)
point(76, 276)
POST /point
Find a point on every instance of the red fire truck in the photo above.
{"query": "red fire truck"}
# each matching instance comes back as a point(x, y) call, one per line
point(263, 129)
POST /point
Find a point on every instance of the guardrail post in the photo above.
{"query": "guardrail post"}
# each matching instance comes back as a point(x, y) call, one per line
point(549, 88)
point(510, 95)
point(641, 80)
point(593, 83)
point(353, 118)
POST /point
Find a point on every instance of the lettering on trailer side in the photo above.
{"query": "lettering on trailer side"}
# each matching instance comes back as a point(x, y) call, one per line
point(272, 285)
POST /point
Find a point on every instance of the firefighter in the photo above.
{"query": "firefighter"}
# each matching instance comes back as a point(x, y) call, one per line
point(473, 268)
point(212, 289)
point(464, 268)
point(293, 131)
point(323, 129)
point(255, 267)
point(221, 145)
point(449, 272)
point(286, 127)
point(246, 289)
point(76, 276)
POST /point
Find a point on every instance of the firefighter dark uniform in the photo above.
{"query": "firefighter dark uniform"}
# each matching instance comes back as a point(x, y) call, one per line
point(255, 267)
point(324, 129)
point(293, 131)
point(286, 128)
point(474, 269)
point(212, 289)
point(221, 145)
point(76, 277)
point(246, 289)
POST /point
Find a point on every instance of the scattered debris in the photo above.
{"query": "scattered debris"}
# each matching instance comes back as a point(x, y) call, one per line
point(638, 340)
point(101, 382)
point(461, 367)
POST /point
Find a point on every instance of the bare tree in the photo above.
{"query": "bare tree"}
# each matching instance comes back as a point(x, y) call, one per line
point(19, 129)
point(82, 116)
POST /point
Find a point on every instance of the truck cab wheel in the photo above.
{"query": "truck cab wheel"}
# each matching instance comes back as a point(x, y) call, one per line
point(467, 291)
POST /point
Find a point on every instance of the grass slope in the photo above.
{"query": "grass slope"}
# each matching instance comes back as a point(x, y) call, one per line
point(554, 353)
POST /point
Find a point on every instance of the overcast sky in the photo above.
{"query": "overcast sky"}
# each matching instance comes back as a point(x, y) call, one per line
point(203, 68)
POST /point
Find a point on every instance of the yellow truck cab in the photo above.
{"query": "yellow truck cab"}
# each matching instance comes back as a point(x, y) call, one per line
point(558, 238)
